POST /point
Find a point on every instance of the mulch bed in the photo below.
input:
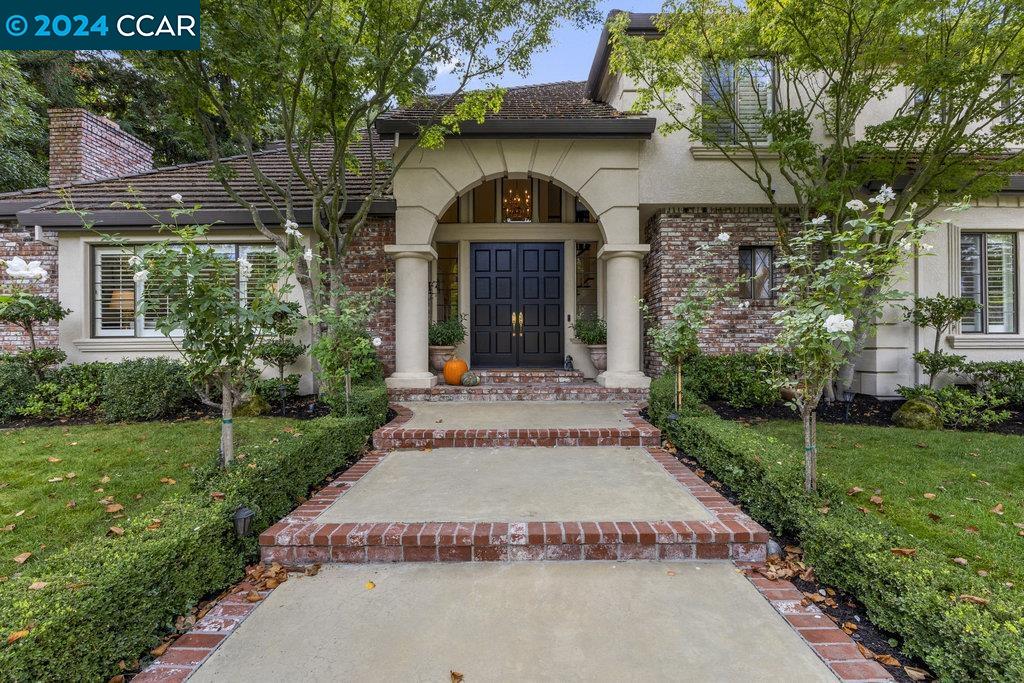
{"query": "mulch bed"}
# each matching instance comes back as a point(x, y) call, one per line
point(865, 410)
point(842, 608)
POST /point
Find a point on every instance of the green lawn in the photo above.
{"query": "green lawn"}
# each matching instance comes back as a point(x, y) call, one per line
point(970, 473)
point(58, 483)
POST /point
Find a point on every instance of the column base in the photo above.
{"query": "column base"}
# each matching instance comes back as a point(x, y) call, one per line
point(623, 380)
point(411, 380)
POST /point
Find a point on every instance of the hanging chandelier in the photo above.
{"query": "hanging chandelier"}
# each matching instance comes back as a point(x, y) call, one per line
point(517, 206)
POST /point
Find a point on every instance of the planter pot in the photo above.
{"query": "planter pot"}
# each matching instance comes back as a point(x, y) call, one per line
point(598, 356)
point(439, 355)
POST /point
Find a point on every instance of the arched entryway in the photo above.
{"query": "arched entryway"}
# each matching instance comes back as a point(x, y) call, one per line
point(530, 204)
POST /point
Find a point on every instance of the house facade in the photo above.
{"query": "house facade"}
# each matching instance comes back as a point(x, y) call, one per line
point(560, 207)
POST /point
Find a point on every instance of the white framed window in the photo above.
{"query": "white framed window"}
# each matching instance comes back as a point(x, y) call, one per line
point(738, 97)
point(988, 274)
point(115, 297)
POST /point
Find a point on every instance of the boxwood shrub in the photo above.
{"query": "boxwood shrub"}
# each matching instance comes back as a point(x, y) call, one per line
point(112, 599)
point(145, 389)
point(916, 598)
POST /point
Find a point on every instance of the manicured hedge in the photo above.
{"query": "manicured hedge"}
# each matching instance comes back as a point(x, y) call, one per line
point(112, 600)
point(917, 598)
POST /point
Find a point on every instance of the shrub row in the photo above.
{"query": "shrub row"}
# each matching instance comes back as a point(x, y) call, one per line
point(738, 379)
point(917, 598)
point(112, 599)
point(133, 390)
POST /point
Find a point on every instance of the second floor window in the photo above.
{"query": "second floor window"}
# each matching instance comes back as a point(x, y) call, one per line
point(737, 97)
point(988, 274)
point(757, 271)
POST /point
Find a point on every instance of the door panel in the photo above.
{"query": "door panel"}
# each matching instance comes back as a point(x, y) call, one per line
point(517, 279)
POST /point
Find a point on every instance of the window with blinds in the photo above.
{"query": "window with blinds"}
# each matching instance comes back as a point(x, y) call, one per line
point(988, 274)
point(736, 99)
point(757, 267)
point(117, 298)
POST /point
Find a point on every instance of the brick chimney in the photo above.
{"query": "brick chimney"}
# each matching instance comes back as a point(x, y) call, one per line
point(86, 146)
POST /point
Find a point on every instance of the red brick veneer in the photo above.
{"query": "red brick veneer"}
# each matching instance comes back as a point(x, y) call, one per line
point(837, 649)
point(299, 540)
point(394, 435)
point(18, 241)
point(558, 390)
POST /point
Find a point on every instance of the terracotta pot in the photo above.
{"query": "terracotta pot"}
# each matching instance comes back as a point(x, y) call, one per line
point(598, 356)
point(439, 355)
point(454, 370)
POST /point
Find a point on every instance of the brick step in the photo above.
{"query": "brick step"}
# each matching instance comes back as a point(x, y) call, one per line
point(395, 435)
point(498, 376)
point(577, 390)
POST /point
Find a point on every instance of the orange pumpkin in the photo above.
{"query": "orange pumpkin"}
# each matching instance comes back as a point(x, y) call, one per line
point(454, 370)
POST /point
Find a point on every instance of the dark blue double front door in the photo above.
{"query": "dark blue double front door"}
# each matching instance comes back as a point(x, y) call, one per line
point(516, 304)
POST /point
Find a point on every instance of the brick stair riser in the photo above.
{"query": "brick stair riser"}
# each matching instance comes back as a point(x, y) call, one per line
point(446, 441)
point(566, 392)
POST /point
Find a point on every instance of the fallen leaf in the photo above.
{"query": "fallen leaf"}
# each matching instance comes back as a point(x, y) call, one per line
point(915, 674)
point(982, 573)
point(54, 480)
point(904, 552)
point(9, 527)
point(155, 524)
point(887, 660)
point(934, 517)
point(930, 496)
point(16, 636)
point(876, 500)
point(960, 561)
point(456, 676)
point(824, 510)
point(854, 491)
point(973, 599)
point(998, 509)
point(119, 678)
point(70, 475)
point(71, 504)
point(160, 649)
point(114, 507)
point(52, 459)
point(105, 479)
point(73, 443)
point(971, 529)
point(217, 495)
point(19, 513)
point(865, 653)
point(38, 585)
point(22, 558)
point(117, 531)
point(167, 480)
point(369, 585)
point(849, 627)
point(313, 570)
point(253, 596)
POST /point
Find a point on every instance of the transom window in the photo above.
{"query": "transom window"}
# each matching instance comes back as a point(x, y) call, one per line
point(517, 200)
point(116, 297)
point(988, 274)
point(757, 272)
point(736, 98)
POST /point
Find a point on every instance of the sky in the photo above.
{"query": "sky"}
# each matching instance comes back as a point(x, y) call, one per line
point(570, 54)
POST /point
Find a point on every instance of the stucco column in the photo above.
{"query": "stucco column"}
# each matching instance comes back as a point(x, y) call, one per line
point(412, 316)
point(622, 312)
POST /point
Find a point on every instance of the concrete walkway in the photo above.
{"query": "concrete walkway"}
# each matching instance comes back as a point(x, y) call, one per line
point(640, 621)
point(516, 415)
point(516, 484)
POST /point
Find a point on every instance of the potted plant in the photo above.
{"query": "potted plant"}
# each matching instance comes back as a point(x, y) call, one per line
point(593, 333)
point(443, 336)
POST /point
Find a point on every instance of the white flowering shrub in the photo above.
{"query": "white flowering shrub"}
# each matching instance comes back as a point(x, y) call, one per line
point(832, 279)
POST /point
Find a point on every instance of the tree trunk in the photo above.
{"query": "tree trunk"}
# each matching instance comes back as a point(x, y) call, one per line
point(679, 387)
point(810, 448)
point(227, 425)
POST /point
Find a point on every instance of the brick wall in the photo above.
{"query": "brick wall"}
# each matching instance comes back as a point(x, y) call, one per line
point(368, 267)
point(16, 241)
point(674, 262)
point(86, 146)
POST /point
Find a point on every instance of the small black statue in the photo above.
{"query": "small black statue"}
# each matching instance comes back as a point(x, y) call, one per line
point(568, 362)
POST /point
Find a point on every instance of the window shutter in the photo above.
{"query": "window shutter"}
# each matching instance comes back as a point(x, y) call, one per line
point(113, 293)
point(753, 97)
point(264, 261)
point(999, 283)
point(970, 278)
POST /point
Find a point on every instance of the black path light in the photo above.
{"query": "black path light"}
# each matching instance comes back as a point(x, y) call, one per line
point(243, 521)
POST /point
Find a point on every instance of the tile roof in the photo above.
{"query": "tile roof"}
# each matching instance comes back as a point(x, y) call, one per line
point(194, 183)
point(564, 100)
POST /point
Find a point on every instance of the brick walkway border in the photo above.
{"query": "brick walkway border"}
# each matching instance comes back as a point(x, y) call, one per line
point(395, 435)
point(298, 540)
point(837, 649)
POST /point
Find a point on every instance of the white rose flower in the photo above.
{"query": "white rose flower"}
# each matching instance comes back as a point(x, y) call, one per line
point(926, 247)
point(856, 205)
point(820, 220)
point(722, 237)
point(837, 322)
point(292, 228)
point(245, 268)
point(884, 196)
point(290, 224)
point(141, 276)
point(377, 341)
point(308, 255)
point(18, 269)
point(176, 198)
point(134, 260)
point(907, 246)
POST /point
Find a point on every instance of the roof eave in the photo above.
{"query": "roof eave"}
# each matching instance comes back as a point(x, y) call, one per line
point(232, 218)
point(640, 23)
point(626, 127)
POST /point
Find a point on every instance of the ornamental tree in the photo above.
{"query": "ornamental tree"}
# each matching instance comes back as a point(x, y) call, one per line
point(784, 91)
point(316, 74)
point(819, 298)
point(939, 312)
